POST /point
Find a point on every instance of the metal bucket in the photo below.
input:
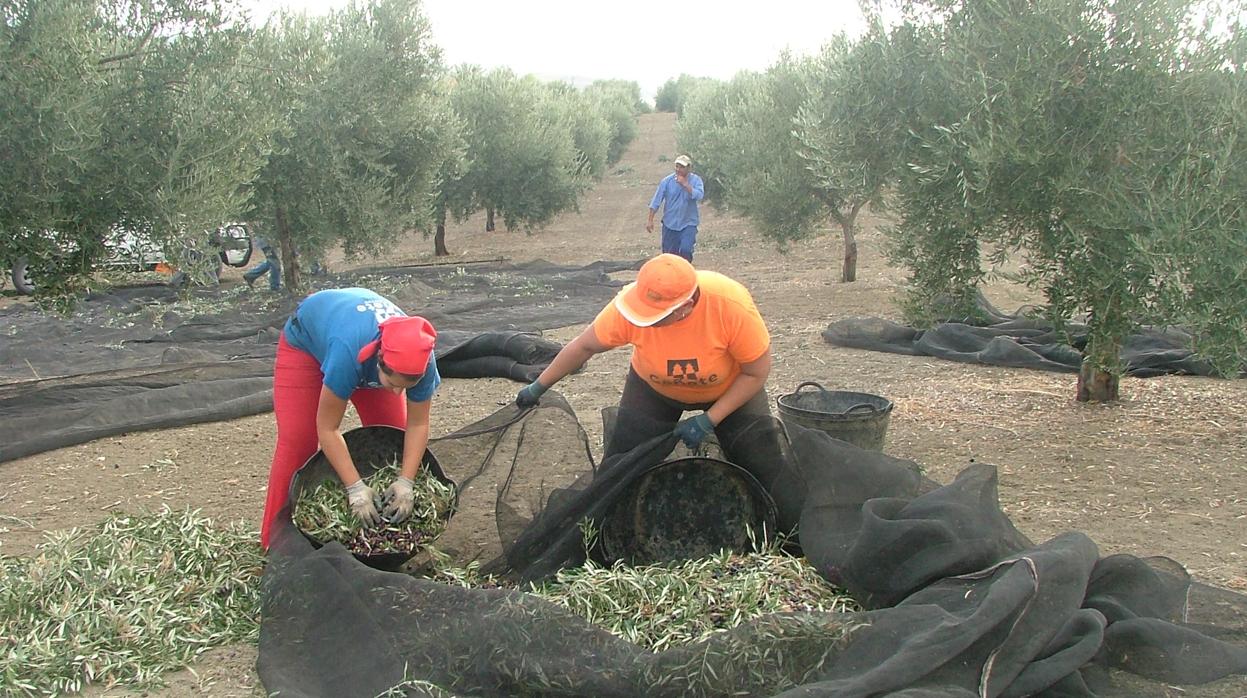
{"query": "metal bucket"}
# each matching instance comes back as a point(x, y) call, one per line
point(859, 418)
point(686, 509)
point(371, 448)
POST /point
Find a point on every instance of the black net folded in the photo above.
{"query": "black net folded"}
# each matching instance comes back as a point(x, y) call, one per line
point(1021, 340)
point(148, 358)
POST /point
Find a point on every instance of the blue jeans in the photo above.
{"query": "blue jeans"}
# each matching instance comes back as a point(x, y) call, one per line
point(679, 241)
point(271, 264)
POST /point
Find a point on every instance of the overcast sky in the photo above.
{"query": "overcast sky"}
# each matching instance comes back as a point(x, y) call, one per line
point(642, 40)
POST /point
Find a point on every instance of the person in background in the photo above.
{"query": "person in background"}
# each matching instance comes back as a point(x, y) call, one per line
point(678, 194)
point(699, 344)
point(351, 344)
point(271, 264)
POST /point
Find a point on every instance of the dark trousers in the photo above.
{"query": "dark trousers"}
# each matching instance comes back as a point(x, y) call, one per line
point(749, 437)
point(644, 414)
point(679, 241)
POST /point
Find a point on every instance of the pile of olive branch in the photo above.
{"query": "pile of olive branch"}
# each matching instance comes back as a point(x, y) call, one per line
point(126, 602)
point(324, 513)
point(663, 606)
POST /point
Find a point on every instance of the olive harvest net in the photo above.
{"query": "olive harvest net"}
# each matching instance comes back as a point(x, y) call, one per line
point(1023, 339)
point(957, 601)
point(147, 357)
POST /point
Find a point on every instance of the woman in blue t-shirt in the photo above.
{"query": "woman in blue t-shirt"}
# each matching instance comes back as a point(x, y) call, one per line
point(350, 344)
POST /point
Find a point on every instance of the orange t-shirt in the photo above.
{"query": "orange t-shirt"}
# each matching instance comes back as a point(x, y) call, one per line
point(697, 358)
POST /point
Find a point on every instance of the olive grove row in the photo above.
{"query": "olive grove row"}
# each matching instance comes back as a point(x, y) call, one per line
point(170, 117)
point(1097, 149)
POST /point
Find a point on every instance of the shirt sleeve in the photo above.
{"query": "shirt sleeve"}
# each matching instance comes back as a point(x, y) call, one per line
point(657, 200)
point(341, 369)
point(423, 390)
point(611, 328)
point(699, 188)
point(750, 338)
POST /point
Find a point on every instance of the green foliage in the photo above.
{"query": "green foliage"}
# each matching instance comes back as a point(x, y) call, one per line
point(707, 132)
point(117, 114)
point(937, 232)
point(366, 129)
point(619, 102)
point(804, 141)
point(591, 132)
point(676, 93)
point(627, 92)
point(742, 137)
point(524, 160)
point(324, 513)
point(1103, 140)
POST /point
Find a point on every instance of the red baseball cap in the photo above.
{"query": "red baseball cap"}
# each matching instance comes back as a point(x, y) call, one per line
point(406, 342)
point(662, 285)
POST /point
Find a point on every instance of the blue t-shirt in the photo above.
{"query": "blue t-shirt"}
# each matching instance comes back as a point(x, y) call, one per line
point(334, 325)
point(681, 207)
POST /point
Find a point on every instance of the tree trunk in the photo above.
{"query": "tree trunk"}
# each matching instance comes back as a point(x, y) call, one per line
point(848, 223)
point(489, 220)
point(849, 273)
point(289, 260)
point(1097, 379)
point(1097, 385)
point(439, 236)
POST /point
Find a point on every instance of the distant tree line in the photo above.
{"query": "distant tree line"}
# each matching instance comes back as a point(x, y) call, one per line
point(1098, 146)
point(338, 130)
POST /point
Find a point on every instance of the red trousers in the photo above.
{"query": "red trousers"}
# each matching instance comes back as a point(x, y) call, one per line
point(297, 381)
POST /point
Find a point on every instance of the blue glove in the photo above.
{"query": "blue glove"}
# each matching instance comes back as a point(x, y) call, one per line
point(692, 430)
point(530, 394)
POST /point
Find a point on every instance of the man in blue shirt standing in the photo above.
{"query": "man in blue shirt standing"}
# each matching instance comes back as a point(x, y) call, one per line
point(678, 194)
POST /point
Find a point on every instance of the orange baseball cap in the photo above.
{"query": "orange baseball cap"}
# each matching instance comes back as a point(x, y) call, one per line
point(663, 284)
point(406, 341)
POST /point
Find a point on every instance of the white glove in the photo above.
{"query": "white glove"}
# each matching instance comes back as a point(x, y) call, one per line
point(399, 500)
point(363, 501)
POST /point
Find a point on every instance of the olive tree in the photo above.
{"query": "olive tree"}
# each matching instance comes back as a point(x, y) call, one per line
point(523, 158)
point(364, 137)
point(675, 93)
point(620, 102)
point(119, 114)
point(1103, 142)
point(580, 114)
point(741, 134)
point(808, 140)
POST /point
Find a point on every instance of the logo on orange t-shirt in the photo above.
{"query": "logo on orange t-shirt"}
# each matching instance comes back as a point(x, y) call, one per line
point(682, 370)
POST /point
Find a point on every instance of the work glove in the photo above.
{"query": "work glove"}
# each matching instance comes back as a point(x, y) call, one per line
point(363, 501)
point(399, 499)
point(530, 394)
point(694, 429)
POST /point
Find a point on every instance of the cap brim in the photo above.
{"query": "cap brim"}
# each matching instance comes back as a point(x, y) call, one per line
point(628, 304)
point(368, 350)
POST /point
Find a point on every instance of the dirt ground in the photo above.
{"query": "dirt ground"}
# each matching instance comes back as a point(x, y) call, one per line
point(1162, 472)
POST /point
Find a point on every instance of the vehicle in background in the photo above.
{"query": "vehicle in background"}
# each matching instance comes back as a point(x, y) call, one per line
point(131, 251)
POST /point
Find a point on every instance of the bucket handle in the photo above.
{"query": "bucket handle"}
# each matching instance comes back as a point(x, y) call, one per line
point(869, 407)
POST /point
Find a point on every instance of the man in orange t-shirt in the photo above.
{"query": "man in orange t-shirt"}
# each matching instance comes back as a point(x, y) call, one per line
point(699, 343)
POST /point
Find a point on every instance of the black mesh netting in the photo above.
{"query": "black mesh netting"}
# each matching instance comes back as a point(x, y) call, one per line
point(128, 360)
point(1021, 340)
point(959, 602)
